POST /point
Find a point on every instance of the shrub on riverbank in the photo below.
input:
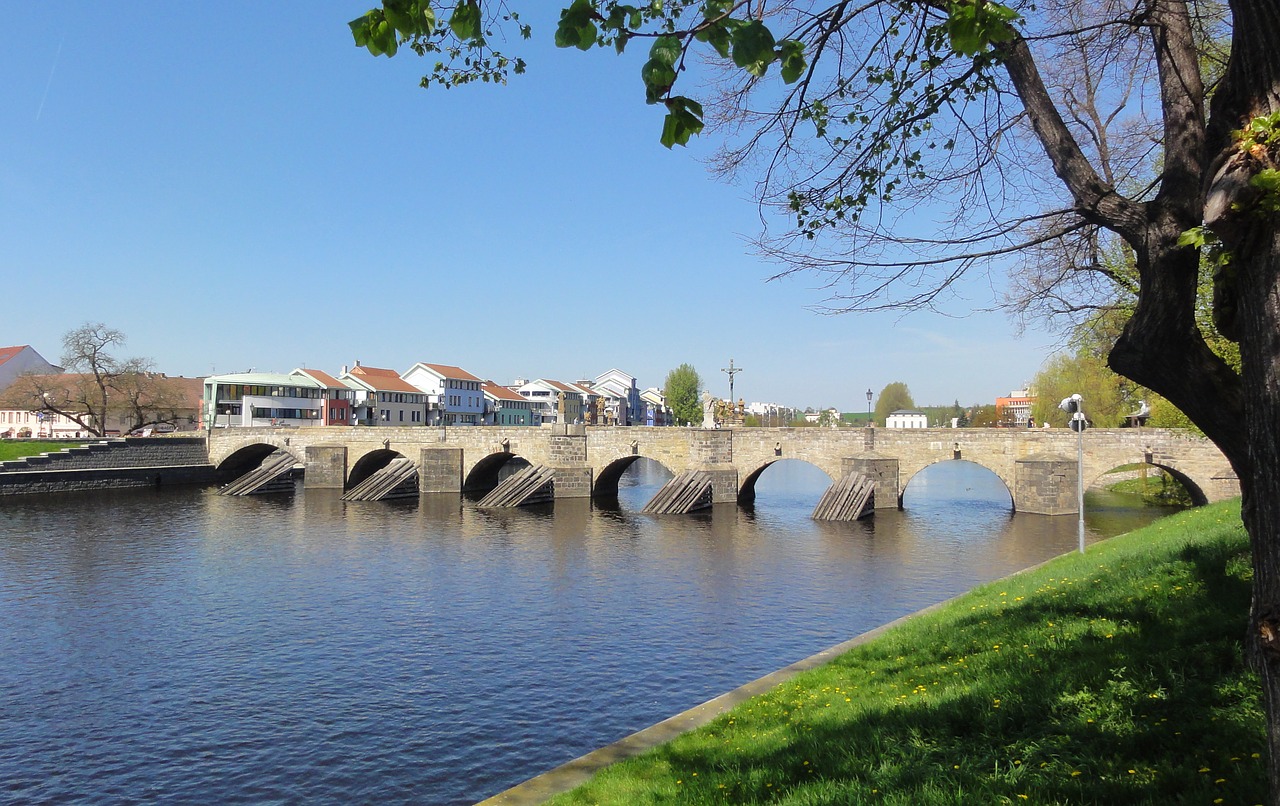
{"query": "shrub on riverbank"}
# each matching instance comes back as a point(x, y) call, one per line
point(1110, 677)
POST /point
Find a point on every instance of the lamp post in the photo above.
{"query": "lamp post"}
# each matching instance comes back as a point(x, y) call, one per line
point(444, 428)
point(869, 393)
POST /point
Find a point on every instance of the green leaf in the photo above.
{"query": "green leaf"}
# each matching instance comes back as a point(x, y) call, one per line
point(465, 20)
point(577, 28)
point(791, 54)
point(683, 120)
point(658, 78)
point(753, 48)
point(666, 49)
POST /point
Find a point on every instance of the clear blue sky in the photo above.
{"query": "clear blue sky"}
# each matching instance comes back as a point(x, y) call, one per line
point(236, 185)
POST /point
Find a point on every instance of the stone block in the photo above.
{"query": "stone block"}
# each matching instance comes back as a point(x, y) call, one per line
point(326, 467)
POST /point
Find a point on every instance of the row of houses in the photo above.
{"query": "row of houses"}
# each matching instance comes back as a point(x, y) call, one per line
point(424, 394)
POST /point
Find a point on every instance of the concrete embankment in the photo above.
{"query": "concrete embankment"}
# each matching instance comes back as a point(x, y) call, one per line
point(108, 464)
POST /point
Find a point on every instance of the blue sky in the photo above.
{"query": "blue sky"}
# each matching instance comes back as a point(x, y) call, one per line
point(235, 185)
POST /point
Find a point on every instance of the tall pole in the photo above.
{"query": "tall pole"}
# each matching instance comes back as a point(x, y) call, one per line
point(1080, 479)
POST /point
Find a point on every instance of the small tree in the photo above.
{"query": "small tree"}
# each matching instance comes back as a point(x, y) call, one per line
point(681, 389)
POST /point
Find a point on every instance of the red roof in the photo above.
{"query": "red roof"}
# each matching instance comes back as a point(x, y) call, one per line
point(500, 392)
point(9, 352)
point(324, 378)
point(384, 380)
point(452, 373)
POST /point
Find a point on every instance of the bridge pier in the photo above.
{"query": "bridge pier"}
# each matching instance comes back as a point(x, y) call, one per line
point(441, 470)
point(883, 470)
point(326, 467)
point(1046, 484)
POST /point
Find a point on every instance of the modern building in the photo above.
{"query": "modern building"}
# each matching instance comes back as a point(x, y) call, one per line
point(459, 398)
point(1015, 409)
point(249, 399)
point(907, 418)
point(22, 359)
point(505, 407)
point(383, 398)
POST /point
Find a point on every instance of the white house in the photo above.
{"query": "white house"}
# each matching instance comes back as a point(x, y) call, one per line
point(907, 418)
point(545, 393)
point(622, 397)
point(458, 393)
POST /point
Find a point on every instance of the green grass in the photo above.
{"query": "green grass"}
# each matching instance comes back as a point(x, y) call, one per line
point(10, 449)
point(1113, 677)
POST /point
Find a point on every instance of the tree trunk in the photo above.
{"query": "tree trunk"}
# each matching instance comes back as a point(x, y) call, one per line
point(1251, 237)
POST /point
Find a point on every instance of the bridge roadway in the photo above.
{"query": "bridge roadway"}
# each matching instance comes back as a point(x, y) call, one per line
point(1038, 466)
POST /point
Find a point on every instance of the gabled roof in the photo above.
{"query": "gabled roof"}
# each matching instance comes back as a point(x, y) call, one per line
point(491, 389)
point(381, 380)
point(446, 371)
point(9, 352)
point(322, 377)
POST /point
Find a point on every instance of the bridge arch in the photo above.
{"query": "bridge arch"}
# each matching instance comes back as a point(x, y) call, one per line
point(747, 485)
point(1006, 483)
point(1195, 491)
point(246, 457)
point(369, 463)
point(606, 481)
point(492, 468)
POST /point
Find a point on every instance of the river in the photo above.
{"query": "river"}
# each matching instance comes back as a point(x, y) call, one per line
point(177, 646)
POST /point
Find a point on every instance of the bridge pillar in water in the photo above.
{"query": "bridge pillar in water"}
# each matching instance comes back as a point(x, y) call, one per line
point(1045, 484)
point(326, 467)
point(441, 470)
point(883, 470)
point(568, 460)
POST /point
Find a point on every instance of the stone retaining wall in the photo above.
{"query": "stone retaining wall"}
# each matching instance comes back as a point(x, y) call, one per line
point(130, 462)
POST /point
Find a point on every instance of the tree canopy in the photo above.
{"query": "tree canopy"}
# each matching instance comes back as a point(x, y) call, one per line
point(681, 390)
point(893, 397)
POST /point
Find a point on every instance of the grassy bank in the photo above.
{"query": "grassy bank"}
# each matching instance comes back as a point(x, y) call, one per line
point(1113, 677)
point(17, 449)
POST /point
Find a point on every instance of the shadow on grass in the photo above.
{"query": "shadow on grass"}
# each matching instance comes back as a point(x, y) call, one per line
point(1110, 678)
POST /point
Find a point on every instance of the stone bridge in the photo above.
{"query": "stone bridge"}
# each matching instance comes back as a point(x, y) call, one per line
point(1038, 466)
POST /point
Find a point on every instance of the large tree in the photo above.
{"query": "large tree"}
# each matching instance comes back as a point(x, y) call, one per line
point(957, 113)
point(681, 391)
point(893, 397)
point(98, 384)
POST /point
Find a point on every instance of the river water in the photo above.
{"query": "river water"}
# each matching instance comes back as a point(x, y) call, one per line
point(176, 646)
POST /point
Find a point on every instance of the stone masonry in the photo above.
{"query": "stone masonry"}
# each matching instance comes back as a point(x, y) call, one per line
point(736, 457)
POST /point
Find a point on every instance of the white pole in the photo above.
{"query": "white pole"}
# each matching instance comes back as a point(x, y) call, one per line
point(1080, 477)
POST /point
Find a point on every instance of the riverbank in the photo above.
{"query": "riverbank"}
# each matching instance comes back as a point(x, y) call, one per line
point(1110, 677)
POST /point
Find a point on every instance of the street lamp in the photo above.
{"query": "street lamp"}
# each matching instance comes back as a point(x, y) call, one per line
point(869, 393)
point(1074, 406)
point(444, 428)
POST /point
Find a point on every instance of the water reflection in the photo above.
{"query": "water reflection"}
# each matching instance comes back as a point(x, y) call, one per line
point(202, 648)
